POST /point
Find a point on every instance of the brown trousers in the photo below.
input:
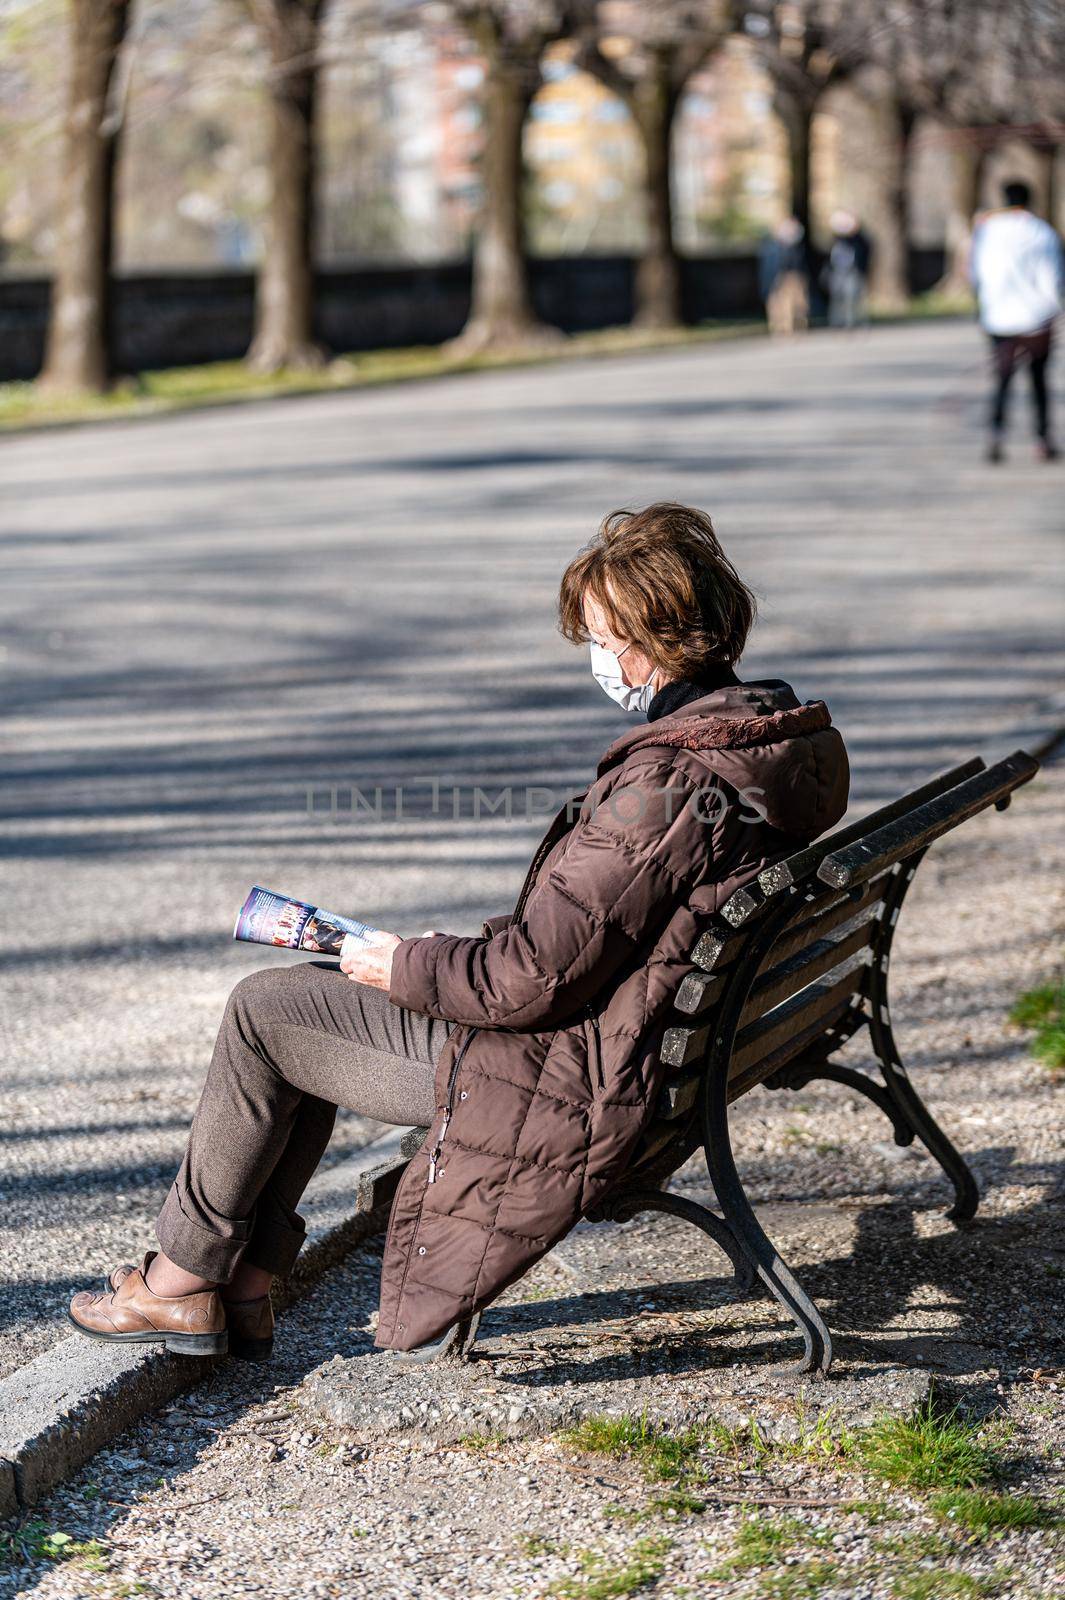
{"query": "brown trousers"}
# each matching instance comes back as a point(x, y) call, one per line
point(788, 305)
point(295, 1043)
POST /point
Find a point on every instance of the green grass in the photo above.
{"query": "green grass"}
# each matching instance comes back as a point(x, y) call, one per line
point(951, 1461)
point(605, 1576)
point(761, 1547)
point(873, 1510)
point(935, 1583)
point(35, 1540)
point(482, 1441)
point(825, 1441)
point(677, 1503)
point(983, 1512)
point(539, 1544)
point(1042, 1010)
point(929, 1451)
point(762, 1541)
point(665, 1457)
point(933, 303)
point(802, 1580)
point(23, 405)
point(915, 1545)
point(613, 1511)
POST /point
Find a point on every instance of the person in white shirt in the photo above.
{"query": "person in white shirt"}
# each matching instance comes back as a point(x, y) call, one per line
point(1018, 271)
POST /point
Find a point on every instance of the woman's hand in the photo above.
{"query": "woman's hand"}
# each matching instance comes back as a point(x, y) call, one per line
point(371, 962)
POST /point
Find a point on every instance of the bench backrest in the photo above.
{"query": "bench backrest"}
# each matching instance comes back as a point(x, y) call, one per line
point(833, 905)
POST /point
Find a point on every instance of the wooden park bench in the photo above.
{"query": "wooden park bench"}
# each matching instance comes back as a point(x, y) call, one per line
point(790, 968)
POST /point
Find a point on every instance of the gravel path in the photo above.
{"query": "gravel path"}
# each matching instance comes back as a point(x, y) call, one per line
point(206, 614)
point(251, 1486)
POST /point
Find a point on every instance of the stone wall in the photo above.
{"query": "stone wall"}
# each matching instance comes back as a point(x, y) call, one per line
point(182, 318)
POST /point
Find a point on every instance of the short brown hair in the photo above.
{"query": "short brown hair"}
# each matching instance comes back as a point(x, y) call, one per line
point(665, 585)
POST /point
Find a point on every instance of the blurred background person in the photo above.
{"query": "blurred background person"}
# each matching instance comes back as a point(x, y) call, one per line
point(1018, 272)
point(846, 273)
point(783, 276)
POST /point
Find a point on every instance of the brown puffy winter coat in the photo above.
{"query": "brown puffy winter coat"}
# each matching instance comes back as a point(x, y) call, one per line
point(544, 1089)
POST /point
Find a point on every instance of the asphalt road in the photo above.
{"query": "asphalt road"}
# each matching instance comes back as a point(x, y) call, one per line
point(213, 622)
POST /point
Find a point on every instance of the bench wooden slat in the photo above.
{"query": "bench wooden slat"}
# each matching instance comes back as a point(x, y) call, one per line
point(794, 868)
point(700, 991)
point(682, 1046)
point(792, 975)
point(772, 1011)
point(742, 904)
point(794, 1045)
point(815, 919)
point(677, 1099)
point(718, 946)
point(872, 854)
point(778, 1026)
point(653, 1141)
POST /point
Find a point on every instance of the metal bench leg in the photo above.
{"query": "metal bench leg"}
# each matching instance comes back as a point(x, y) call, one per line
point(907, 1102)
point(757, 1247)
point(631, 1201)
point(912, 1109)
point(805, 1068)
point(901, 1104)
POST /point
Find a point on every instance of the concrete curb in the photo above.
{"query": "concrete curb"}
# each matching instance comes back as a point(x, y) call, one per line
point(59, 1410)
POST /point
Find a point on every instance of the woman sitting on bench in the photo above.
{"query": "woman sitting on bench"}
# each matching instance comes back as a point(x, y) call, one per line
point(532, 1051)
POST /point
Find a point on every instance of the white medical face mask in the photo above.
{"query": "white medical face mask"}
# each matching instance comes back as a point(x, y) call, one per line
point(606, 670)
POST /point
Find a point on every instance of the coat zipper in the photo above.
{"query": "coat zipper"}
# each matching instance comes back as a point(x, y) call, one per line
point(597, 1052)
point(434, 1154)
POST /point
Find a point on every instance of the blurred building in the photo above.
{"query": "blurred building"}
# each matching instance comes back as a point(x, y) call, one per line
point(457, 134)
point(400, 136)
point(584, 164)
point(729, 155)
point(401, 141)
point(585, 161)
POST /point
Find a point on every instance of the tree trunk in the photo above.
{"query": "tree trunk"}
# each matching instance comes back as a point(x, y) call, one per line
point(78, 344)
point(284, 307)
point(501, 308)
point(1048, 186)
point(889, 279)
point(967, 161)
point(797, 116)
point(658, 286)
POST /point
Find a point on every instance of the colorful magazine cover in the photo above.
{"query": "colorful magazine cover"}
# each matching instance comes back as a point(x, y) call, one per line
point(277, 919)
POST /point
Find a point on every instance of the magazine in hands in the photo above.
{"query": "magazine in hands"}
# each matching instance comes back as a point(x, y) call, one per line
point(277, 919)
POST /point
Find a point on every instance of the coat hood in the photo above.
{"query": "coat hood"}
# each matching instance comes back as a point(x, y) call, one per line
point(759, 738)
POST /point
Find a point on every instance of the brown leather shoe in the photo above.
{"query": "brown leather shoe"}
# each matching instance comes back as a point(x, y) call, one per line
point(250, 1323)
point(188, 1324)
point(117, 1278)
point(251, 1328)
